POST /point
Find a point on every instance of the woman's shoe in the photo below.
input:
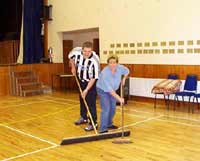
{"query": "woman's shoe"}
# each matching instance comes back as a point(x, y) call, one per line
point(113, 127)
point(101, 132)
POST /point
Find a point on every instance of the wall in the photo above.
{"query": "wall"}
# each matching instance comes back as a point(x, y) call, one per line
point(43, 71)
point(4, 80)
point(172, 24)
point(159, 21)
point(82, 36)
point(9, 51)
point(68, 16)
point(149, 35)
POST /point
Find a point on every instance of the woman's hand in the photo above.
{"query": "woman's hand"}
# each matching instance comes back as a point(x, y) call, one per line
point(121, 100)
point(123, 81)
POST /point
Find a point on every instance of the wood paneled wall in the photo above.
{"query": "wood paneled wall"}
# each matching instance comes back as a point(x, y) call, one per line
point(4, 81)
point(44, 71)
point(9, 51)
point(161, 71)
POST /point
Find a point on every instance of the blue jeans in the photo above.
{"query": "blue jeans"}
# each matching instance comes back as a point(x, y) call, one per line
point(108, 106)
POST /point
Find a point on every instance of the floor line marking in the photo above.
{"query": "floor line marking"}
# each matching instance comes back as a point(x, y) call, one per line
point(177, 117)
point(33, 152)
point(180, 123)
point(184, 118)
point(62, 99)
point(143, 121)
point(24, 104)
point(27, 134)
point(38, 117)
point(158, 118)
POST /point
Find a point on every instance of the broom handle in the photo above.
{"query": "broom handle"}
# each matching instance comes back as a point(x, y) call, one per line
point(90, 116)
point(122, 108)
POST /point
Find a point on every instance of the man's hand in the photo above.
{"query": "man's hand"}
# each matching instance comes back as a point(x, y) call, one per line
point(89, 86)
point(84, 94)
point(73, 70)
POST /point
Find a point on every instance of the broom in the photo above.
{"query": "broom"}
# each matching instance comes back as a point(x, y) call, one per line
point(96, 136)
point(122, 140)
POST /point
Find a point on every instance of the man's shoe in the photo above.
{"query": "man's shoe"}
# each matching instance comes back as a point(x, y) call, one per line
point(113, 127)
point(90, 127)
point(81, 121)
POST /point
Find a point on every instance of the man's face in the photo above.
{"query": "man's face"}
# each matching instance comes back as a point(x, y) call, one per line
point(87, 52)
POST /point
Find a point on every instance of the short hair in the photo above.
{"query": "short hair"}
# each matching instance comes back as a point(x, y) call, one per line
point(115, 57)
point(87, 44)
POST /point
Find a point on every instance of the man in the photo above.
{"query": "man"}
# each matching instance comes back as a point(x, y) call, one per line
point(85, 64)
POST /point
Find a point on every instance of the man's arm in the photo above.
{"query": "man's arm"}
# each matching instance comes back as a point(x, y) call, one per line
point(96, 68)
point(71, 57)
point(73, 67)
point(89, 86)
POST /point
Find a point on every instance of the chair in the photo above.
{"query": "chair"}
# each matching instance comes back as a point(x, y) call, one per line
point(196, 96)
point(170, 76)
point(174, 77)
point(189, 90)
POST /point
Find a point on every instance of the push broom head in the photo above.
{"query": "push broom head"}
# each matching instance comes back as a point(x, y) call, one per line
point(122, 141)
point(94, 137)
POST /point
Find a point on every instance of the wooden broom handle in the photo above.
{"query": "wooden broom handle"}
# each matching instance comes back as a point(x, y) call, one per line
point(122, 108)
point(86, 105)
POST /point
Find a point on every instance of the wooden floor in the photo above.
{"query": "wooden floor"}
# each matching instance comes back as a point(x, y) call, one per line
point(32, 128)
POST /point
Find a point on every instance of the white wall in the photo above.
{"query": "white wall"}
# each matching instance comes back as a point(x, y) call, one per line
point(143, 86)
point(131, 21)
point(135, 21)
point(80, 37)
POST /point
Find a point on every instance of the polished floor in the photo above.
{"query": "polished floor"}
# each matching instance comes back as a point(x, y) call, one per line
point(32, 128)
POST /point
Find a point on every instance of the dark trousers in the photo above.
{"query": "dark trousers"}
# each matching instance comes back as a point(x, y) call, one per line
point(91, 102)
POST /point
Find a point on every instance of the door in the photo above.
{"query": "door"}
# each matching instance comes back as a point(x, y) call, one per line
point(69, 83)
point(96, 46)
point(67, 47)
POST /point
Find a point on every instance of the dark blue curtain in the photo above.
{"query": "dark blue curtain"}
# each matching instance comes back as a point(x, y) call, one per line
point(33, 50)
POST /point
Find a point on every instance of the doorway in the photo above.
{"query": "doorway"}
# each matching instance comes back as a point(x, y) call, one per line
point(76, 38)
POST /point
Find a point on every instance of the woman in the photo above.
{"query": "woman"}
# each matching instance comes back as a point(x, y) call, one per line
point(107, 84)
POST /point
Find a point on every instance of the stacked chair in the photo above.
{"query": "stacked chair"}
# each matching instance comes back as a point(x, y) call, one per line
point(170, 76)
point(196, 97)
point(189, 91)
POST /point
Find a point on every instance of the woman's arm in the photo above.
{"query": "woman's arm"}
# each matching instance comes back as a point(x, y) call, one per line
point(124, 79)
point(117, 97)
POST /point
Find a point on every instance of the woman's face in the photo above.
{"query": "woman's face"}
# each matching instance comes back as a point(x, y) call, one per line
point(112, 64)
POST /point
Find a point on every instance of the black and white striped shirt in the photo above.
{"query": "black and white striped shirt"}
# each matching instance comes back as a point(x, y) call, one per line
point(87, 69)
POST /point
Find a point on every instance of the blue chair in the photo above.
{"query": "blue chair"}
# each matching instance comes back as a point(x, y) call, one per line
point(190, 88)
point(196, 96)
point(170, 76)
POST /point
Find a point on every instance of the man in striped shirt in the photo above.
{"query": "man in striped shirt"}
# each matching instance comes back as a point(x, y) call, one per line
point(85, 64)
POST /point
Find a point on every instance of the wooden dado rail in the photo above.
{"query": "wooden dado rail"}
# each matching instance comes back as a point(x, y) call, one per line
point(161, 71)
point(45, 71)
point(9, 51)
